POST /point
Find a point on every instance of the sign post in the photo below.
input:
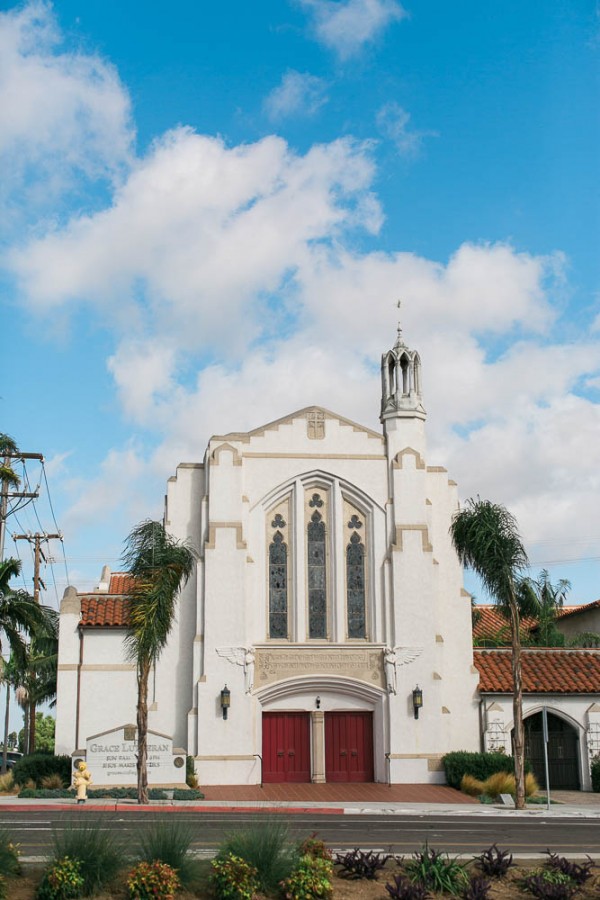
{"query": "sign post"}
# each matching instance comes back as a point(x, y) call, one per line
point(545, 736)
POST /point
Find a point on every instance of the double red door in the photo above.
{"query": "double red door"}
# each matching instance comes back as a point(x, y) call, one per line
point(286, 747)
point(348, 746)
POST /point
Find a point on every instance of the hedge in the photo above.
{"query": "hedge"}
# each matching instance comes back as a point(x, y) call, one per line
point(479, 765)
point(36, 766)
point(595, 768)
point(108, 794)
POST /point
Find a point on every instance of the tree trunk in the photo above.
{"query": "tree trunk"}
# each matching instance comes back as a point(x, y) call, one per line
point(32, 723)
point(6, 727)
point(26, 729)
point(142, 732)
point(519, 737)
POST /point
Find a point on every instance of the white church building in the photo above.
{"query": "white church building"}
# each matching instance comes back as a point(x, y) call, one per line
point(326, 635)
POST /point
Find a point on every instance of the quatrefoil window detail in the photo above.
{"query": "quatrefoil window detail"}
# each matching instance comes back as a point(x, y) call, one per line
point(278, 522)
point(315, 501)
point(355, 522)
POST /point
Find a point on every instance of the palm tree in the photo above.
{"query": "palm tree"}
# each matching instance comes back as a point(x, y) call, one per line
point(160, 566)
point(20, 616)
point(543, 600)
point(486, 538)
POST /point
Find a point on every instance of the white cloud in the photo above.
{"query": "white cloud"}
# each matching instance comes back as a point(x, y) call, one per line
point(298, 94)
point(201, 235)
point(61, 112)
point(393, 123)
point(345, 26)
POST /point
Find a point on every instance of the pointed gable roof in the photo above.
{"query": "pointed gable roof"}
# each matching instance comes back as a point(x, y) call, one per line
point(245, 436)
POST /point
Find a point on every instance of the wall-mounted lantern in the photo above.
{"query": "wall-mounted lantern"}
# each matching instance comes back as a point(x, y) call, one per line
point(417, 700)
point(225, 700)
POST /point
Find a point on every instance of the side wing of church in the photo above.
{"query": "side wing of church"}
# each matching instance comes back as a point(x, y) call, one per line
point(326, 635)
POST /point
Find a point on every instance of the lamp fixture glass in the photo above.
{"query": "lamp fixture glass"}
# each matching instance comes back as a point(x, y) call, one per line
point(225, 700)
point(417, 696)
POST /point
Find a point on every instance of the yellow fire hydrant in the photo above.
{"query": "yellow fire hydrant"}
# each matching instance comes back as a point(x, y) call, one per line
point(81, 778)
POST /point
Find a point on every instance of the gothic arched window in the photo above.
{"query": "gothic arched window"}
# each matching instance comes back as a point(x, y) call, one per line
point(316, 553)
point(278, 582)
point(355, 581)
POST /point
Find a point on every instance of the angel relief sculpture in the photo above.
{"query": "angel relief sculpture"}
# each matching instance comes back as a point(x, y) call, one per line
point(394, 657)
point(244, 657)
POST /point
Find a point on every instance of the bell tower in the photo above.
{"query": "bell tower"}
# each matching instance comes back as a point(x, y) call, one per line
point(402, 412)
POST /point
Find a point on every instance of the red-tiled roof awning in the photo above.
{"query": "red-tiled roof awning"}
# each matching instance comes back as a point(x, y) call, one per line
point(103, 611)
point(544, 671)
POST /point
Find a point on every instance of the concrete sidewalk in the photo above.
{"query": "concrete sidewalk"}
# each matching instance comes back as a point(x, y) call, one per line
point(571, 804)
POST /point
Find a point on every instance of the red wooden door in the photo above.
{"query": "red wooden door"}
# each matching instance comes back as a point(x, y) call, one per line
point(348, 746)
point(286, 747)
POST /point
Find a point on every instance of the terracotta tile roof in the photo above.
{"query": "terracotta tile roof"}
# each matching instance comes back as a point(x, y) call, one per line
point(544, 671)
point(490, 621)
point(120, 583)
point(573, 610)
point(102, 610)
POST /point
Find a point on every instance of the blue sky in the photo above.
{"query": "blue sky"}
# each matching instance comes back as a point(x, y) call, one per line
point(210, 210)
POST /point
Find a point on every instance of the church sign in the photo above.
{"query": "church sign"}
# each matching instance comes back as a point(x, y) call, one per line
point(364, 664)
point(112, 758)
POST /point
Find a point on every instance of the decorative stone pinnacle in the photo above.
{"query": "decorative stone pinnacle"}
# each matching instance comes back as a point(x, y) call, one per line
point(399, 339)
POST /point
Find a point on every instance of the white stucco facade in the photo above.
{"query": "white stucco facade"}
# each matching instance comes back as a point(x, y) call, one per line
point(329, 646)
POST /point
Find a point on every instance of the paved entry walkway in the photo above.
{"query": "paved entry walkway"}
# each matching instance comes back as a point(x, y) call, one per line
point(336, 793)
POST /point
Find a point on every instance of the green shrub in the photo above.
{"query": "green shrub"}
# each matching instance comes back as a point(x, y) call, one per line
point(266, 846)
point(595, 768)
point(40, 765)
point(169, 842)
point(478, 765)
point(3, 888)
point(93, 794)
point(314, 846)
point(309, 880)
point(191, 779)
point(62, 881)
point(232, 878)
point(437, 871)
point(152, 879)
point(190, 794)
point(9, 855)
point(98, 850)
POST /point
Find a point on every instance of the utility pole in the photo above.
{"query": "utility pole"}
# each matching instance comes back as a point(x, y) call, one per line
point(38, 554)
point(6, 494)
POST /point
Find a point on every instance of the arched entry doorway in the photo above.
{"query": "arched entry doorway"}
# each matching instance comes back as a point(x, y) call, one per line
point(563, 751)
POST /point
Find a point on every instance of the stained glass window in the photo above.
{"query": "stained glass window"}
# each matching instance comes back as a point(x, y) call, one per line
point(278, 593)
point(317, 576)
point(355, 582)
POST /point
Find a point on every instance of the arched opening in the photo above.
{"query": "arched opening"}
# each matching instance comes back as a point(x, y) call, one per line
point(563, 751)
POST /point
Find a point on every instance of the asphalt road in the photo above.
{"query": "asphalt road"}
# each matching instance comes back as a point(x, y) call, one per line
point(462, 834)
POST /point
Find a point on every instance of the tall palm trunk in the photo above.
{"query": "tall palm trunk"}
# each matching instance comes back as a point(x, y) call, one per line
point(519, 737)
point(142, 731)
point(32, 710)
point(6, 727)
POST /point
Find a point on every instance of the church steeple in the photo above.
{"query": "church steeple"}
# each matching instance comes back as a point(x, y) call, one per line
point(401, 396)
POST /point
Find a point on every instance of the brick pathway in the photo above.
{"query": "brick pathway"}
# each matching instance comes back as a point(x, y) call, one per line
point(337, 793)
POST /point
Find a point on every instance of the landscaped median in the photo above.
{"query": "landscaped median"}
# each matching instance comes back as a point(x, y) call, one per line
point(262, 861)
